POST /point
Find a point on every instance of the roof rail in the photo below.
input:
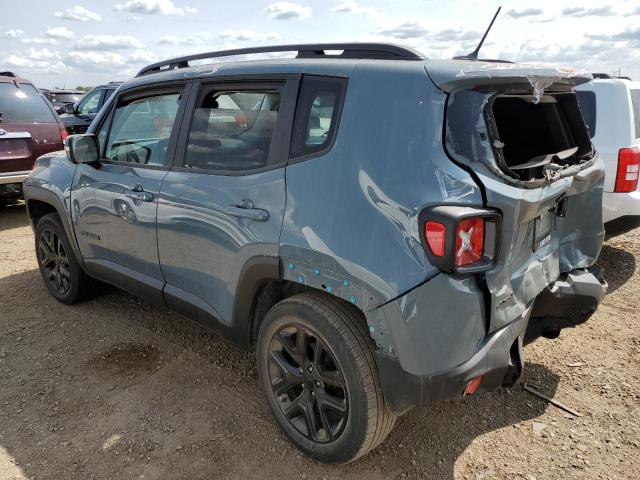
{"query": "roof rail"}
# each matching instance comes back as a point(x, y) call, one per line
point(601, 75)
point(8, 74)
point(377, 51)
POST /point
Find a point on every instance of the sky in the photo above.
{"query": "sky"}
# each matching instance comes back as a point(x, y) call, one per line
point(88, 42)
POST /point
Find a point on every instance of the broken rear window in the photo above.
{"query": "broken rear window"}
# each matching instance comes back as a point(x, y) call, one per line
point(525, 139)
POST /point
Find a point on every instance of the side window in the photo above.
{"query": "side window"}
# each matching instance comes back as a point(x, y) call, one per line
point(635, 104)
point(90, 103)
point(587, 103)
point(317, 115)
point(140, 129)
point(231, 130)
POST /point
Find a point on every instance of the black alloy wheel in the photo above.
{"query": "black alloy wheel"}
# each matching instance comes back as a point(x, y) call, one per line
point(307, 383)
point(54, 260)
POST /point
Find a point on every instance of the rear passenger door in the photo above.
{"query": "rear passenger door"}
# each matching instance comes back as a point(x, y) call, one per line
point(221, 206)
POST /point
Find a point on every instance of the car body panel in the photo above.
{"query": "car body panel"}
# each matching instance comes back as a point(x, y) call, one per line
point(109, 225)
point(21, 139)
point(203, 246)
point(614, 129)
point(349, 217)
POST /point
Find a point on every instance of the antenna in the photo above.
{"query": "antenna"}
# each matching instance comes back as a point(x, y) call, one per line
point(474, 55)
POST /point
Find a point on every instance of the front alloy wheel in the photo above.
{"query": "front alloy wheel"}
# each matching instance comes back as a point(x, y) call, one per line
point(54, 261)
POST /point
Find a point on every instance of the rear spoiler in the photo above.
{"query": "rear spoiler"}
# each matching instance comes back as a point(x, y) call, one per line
point(449, 75)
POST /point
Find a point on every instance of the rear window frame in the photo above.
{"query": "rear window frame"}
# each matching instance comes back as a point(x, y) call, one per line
point(335, 121)
point(47, 104)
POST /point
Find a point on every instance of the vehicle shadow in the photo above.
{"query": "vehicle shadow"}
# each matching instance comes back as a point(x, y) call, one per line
point(13, 216)
point(619, 266)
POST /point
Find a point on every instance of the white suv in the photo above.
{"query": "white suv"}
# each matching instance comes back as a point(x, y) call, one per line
point(611, 110)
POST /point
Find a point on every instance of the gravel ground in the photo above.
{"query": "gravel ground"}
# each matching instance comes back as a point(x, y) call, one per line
point(117, 388)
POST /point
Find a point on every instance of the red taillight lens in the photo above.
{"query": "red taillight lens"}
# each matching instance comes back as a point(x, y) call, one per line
point(63, 132)
point(469, 241)
point(435, 233)
point(628, 169)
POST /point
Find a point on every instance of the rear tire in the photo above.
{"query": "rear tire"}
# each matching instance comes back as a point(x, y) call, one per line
point(62, 274)
point(330, 404)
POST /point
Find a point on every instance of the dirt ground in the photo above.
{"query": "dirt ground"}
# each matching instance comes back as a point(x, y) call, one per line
point(115, 388)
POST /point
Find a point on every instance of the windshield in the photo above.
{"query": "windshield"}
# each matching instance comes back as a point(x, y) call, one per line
point(65, 97)
point(635, 104)
point(23, 104)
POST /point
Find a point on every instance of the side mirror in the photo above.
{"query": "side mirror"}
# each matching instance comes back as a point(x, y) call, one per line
point(69, 108)
point(82, 148)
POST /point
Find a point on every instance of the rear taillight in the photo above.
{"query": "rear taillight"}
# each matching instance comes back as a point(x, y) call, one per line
point(628, 169)
point(469, 241)
point(460, 239)
point(63, 132)
point(435, 235)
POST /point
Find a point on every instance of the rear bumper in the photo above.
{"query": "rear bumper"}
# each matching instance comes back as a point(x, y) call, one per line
point(13, 177)
point(618, 205)
point(569, 301)
point(499, 361)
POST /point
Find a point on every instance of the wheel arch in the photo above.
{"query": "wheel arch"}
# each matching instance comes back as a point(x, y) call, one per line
point(41, 202)
point(262, 286)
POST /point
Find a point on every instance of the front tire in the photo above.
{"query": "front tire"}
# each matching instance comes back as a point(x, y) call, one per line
point(317, 370)
point(62, 274)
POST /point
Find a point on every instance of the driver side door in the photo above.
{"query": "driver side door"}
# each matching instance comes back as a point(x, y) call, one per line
point(114, 203)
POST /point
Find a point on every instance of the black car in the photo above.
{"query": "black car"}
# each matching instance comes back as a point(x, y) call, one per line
point(78, 116)
point(61, 98)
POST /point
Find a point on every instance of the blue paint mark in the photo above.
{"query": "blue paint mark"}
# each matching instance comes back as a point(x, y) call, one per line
point(354, 300)
point(301, 279)
point(345, 283)
point(291, 266)
point(330, 289)
point(316, 271)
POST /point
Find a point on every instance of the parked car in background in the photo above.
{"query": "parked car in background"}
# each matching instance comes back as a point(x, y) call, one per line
point(78, 117)
point(319, 209)
point(29, 127)
point(61, 98)
point(611, 110)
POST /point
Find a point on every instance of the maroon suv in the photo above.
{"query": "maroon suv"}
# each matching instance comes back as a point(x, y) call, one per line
point(29, 127)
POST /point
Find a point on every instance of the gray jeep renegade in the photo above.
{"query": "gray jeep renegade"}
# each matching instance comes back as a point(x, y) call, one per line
point(385, 230)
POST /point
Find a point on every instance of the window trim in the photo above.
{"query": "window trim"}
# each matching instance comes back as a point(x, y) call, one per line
point(337, 114)
point(279, 149)
point(142, 92)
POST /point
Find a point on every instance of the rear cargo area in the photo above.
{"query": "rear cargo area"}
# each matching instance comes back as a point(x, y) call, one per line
point(519, 131)
point(535, 138)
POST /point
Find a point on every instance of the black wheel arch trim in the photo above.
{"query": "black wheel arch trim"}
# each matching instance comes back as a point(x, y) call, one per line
point(32, 192)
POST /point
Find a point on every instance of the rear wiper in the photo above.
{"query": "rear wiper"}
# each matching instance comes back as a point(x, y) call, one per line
point(545, 159)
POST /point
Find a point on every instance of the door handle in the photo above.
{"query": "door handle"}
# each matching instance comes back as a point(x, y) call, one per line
point(246, 209)
point(138, 193)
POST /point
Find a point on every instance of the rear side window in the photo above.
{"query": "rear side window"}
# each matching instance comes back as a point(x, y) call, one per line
point(635, 104)
point(317, 115)
point(587, 102)
point(141, 129)
point(23, 104)
point(231, 130)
